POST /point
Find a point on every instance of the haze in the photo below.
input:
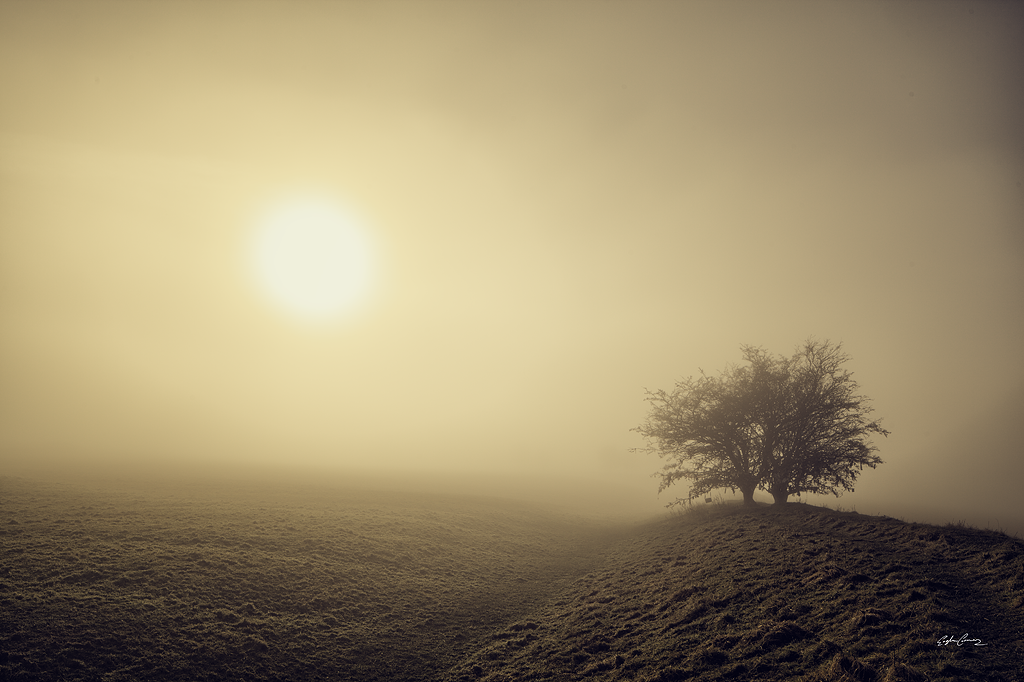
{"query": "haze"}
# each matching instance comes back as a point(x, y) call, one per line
point(568, 202)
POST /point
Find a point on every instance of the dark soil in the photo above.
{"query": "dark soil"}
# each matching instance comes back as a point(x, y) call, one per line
point(278, 582)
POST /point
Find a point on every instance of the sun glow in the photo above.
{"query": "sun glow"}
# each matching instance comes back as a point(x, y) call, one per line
point(312, 258)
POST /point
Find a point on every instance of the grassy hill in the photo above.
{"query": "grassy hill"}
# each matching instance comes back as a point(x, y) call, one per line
point(290, 582)
point(799, 592)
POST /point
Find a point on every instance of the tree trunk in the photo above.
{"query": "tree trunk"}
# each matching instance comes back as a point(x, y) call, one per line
point(748, 496)
point(780, 495)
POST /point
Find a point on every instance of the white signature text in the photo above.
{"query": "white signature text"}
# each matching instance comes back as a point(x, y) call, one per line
point(948, 639)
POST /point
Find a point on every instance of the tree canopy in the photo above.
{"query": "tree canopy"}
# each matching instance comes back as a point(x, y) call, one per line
point(784, 425)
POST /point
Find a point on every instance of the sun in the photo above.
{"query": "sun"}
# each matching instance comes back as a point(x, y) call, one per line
point(312, 258)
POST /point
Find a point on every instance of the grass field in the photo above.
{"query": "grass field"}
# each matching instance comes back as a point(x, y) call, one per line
point(263, 581)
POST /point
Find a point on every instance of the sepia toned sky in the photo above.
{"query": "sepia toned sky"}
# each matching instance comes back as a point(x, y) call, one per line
point(564, 203)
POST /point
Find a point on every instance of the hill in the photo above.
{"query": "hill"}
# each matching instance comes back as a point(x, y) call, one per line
point(293, 582)
point(797, 592)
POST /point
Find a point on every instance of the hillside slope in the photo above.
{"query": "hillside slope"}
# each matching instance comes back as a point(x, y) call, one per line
point(774, 594)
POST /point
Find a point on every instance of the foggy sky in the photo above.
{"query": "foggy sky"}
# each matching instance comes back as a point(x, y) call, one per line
point(570, 202)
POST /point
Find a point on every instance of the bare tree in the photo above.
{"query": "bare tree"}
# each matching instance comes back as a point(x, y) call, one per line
point(785, 425)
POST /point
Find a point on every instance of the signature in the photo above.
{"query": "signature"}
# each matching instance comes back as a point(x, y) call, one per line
point(948, 639)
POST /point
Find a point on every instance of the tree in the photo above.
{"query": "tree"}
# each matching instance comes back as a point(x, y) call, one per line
point(784, 425)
